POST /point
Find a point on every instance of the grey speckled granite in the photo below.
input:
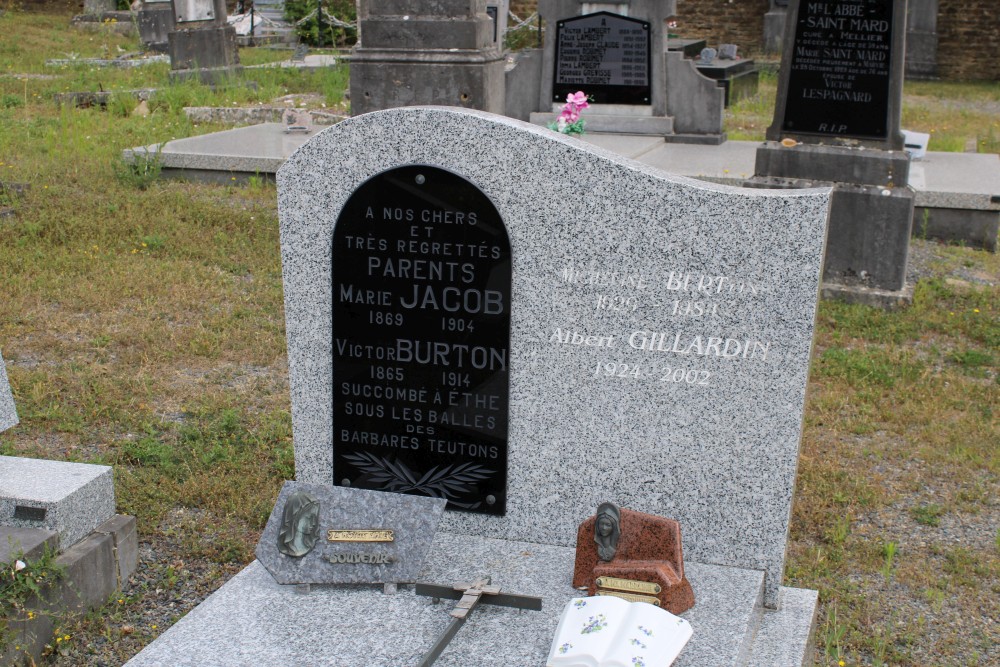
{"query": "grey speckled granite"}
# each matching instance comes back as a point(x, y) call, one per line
point(254, 149)
point(718, 449)
point(787, 635)
point(413, 520)
point(8, 414)
point(252, 620)
point(76, 497)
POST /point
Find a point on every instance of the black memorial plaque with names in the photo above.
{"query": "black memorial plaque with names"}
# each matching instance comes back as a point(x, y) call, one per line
point(839, 78)
point(605, 55)
point(421, 339)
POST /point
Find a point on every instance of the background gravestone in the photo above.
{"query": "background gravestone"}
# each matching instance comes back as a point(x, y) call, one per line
point(618, 52)
point(201, 43)
point(8, 414)
point(837, 122)
point(416, 52)
point(155, 20)
point(644, 313)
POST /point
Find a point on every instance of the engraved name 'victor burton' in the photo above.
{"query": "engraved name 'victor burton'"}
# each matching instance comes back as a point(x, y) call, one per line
point(421, 322)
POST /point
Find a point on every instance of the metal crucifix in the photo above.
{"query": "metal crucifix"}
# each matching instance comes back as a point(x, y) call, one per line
point(468, 596)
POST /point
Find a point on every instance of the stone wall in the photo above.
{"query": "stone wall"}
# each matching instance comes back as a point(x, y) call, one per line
point(969, 39)
point(739, 22)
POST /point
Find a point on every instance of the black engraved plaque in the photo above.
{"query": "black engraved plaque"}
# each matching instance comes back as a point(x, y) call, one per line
point(26, 513)
point(604, 55)
point(839, 79)
point(421, 339)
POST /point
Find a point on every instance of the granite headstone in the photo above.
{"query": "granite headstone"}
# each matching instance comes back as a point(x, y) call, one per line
point(319, 534)
point(843, 74)
point(660, 329)
point(8, 413)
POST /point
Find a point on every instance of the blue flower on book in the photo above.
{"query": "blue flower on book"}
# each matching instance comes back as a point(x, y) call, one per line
point(648, 633)
point(565, 647)
point(594, 624)
point(636, 642)
point(638, 662)
point(580, 604)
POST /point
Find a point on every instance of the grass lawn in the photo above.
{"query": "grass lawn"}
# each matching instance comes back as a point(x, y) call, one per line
point(142, 324)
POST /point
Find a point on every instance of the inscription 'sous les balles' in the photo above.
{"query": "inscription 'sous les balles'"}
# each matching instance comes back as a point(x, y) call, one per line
point(421, 339)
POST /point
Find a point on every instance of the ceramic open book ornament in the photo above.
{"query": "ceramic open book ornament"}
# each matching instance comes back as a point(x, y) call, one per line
point(611, 632)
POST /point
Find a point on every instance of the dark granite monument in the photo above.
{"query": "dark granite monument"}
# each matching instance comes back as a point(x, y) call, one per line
point(837, 122)
point(605, 54)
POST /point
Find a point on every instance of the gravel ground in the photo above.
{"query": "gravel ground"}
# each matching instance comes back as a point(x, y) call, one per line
point(168, 582)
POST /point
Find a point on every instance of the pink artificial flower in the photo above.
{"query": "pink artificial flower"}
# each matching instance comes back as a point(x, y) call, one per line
point(578, 99)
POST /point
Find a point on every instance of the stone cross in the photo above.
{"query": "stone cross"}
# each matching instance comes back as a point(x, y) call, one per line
point(469, 595)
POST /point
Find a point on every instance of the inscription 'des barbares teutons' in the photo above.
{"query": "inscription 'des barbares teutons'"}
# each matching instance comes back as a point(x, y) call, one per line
point(421, 339)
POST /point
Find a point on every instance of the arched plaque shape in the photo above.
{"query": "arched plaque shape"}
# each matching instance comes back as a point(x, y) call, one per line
point(421, 339)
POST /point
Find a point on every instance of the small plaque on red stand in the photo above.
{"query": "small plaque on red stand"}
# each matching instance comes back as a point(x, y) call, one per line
point(634, 556)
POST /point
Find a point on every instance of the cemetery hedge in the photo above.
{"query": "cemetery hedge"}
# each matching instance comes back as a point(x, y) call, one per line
point(143, 328)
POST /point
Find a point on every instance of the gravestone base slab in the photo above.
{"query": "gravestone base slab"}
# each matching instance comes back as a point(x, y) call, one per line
point(868, 296)
point(832, 164)
point(210, 76)
point(71, 499)
point(253, 620)
point(868, 237)
point(699, 139)
point(382, 79)
point(975, 227)
point(615, 124)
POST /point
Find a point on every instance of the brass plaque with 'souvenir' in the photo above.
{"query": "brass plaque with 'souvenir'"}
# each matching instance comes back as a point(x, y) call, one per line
point(628, 585)
point(631, 597)
point(360, 536)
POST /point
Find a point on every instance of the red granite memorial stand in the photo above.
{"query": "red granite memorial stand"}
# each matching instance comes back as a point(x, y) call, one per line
point(649, 550)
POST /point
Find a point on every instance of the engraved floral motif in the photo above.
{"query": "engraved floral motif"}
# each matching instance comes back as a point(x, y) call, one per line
point(448, 482)
point(645, 631)
point(565, 647)
point(594, 624)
